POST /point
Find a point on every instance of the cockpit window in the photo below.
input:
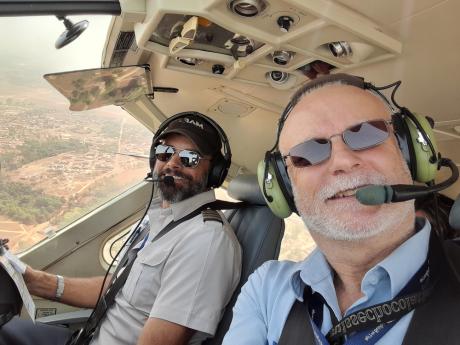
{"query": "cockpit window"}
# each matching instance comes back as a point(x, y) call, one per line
point(55, 164)
point(297, 242)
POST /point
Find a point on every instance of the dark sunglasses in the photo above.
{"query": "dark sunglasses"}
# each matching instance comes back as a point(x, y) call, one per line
point(358, 137)
point(188, 158)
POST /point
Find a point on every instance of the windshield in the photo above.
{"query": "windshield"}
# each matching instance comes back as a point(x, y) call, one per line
point(55, 164)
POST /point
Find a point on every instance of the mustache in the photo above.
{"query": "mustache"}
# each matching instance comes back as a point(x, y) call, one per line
point(169, 171)
point(343, 183)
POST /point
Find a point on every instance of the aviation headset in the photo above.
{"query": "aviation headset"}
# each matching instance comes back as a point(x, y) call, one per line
point(413, 132)
point(220, 163)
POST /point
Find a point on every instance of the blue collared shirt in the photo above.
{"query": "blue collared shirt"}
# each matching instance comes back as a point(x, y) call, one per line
point(266, 299)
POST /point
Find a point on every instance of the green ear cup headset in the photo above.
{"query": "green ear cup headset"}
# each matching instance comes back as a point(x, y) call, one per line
point(413, 132)
point(275, 184)
point(417, 143)
point(220, 163)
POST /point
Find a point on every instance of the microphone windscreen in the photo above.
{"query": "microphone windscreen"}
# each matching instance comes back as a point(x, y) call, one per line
point(454, 215)
point(168, 180)
point(374, 195)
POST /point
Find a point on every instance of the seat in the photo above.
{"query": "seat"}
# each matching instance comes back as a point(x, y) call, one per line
point(259, 232)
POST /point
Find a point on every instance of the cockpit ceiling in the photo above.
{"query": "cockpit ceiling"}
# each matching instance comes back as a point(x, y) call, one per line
point(277, 44)
point(240, 60)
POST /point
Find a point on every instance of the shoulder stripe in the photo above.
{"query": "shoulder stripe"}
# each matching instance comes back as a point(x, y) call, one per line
point(211, 216)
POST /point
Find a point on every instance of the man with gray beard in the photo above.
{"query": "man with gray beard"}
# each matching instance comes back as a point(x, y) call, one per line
point(186, 257)
point(379, 275)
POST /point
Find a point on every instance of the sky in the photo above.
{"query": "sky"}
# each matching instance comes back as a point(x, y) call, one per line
point(28, 49)
point(27, 53)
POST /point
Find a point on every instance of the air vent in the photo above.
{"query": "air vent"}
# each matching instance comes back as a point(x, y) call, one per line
point(117, 58)
point(134, 46)
point(247, 8)
point(124, 42)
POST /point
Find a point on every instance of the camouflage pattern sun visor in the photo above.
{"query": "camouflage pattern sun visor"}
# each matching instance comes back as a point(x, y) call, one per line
point(94, 88)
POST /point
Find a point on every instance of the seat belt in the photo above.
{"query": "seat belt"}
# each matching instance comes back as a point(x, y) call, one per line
point(105, 302)
point(297, 328)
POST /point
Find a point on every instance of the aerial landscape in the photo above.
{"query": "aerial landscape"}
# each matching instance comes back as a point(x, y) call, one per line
point(57, 165)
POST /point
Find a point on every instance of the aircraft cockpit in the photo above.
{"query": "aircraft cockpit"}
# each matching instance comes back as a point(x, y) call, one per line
point(84, 87)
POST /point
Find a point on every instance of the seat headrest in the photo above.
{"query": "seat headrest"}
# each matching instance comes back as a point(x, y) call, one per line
point(246, 188)
point(454, 217)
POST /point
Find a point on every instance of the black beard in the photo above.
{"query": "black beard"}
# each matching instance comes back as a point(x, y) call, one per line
point(172, 193)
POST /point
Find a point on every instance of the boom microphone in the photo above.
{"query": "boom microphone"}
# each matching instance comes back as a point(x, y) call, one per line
point(168, 180)
point(382, 194)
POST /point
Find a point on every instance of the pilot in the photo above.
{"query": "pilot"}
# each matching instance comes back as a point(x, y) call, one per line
point(181, 279)
point(379, 274)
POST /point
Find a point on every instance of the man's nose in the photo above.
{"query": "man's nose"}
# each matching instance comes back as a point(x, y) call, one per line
point(343, 159)
point(174, 161)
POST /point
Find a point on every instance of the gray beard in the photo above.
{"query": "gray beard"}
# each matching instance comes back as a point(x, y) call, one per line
point(317, 219)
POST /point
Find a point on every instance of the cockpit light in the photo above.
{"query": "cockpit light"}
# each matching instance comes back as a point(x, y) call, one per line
point(247, 8)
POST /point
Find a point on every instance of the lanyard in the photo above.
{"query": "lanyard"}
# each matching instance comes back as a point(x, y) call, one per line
point(300, 329)
point(368, 325)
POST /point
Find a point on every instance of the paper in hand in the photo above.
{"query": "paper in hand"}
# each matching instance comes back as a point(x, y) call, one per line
point(13, 272)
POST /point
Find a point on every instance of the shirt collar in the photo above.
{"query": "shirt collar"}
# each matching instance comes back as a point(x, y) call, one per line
point(315, 271)
point(418, 243)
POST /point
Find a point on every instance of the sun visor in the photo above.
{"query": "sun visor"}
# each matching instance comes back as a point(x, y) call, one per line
point(94, 88)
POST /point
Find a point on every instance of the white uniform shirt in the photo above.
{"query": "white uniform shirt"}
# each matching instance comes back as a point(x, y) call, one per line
point(186, 277)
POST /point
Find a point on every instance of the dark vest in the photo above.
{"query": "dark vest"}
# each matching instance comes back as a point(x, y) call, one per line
point(437, 322)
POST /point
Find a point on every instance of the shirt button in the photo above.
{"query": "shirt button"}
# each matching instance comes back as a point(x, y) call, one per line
point(373, 279)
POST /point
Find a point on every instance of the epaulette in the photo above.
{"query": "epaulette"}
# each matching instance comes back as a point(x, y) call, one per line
point(212, 216)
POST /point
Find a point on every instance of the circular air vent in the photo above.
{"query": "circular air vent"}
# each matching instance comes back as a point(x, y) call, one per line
point(277, 77)
point(340, 49)
point(247, 8)
point(282, 57)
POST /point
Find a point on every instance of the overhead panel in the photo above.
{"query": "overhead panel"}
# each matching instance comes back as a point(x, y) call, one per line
point(278, 44)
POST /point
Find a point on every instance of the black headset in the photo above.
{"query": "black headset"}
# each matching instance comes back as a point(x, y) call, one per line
point(413, 132)
point(220, 162)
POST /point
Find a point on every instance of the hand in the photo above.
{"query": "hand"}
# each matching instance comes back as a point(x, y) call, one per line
point(17, 264)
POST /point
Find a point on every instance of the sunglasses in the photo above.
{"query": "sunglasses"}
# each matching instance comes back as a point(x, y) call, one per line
point(358, 137)
point(188, 158)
